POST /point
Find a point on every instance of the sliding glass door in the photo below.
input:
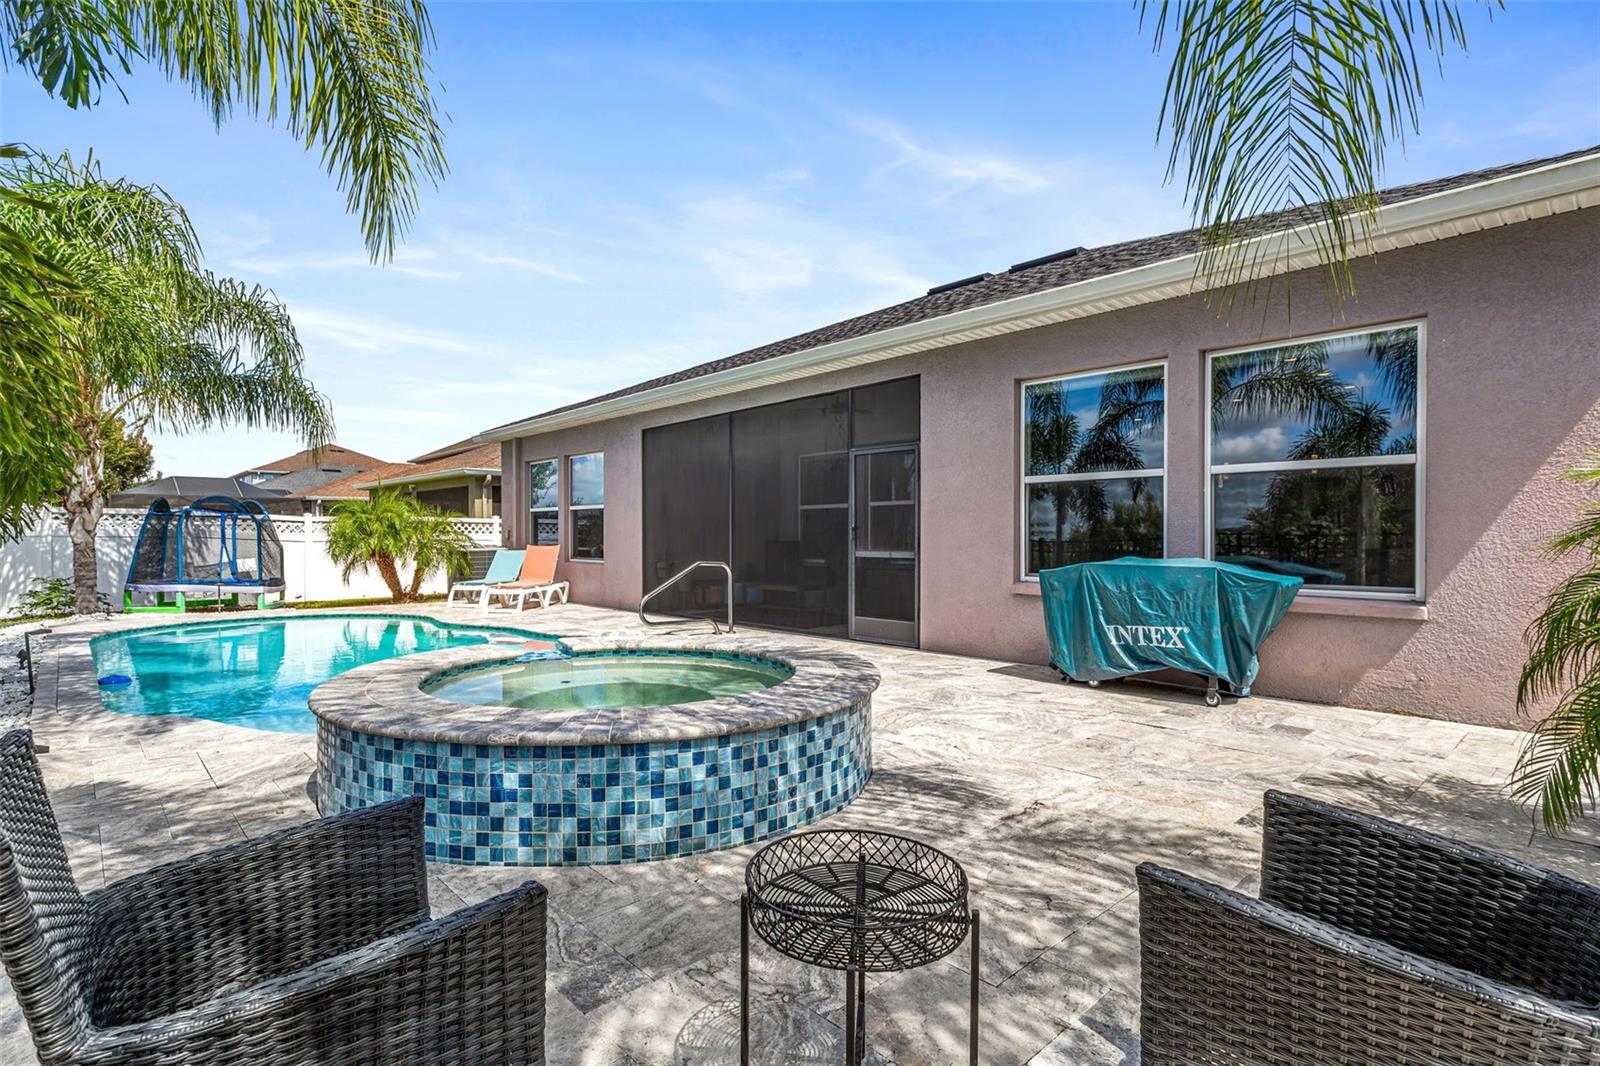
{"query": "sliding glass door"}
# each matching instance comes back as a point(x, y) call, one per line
point(883, 555)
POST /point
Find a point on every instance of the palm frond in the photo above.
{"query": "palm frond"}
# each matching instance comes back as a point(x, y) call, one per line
point(349, 78)
point(1279, 115)
point(1560, 765)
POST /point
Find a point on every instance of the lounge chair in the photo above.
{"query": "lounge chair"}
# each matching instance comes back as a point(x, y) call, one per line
point(504, 567)
point(308, 945)
point(1372, 943)
point(537, 581)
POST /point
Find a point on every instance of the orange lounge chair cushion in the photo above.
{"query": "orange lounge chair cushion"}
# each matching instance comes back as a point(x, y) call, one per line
point(538, 568)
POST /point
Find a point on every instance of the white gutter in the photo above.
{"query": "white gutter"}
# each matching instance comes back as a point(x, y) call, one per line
point(438, 475)
point(1552, 189)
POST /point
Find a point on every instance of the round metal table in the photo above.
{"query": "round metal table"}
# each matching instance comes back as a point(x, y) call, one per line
point(856, 901)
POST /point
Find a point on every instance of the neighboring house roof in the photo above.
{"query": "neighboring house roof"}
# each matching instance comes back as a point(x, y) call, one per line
point(327, 455)
point(481, 460)
point(1093, 280)
point(313, 476)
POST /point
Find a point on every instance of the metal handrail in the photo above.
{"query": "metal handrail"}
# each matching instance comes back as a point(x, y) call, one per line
point(685, 572)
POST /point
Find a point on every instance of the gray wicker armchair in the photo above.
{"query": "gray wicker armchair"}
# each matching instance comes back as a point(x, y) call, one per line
point(310, 945)
point(1371, 943)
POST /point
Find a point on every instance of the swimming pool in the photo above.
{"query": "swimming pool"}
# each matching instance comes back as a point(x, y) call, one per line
point(259, 673)
point(599, 679)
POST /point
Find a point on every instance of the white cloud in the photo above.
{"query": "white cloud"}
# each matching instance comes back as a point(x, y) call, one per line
point(751, 265)
point(757, 247)
point(410, 261)
point(524, 265)
point(233, 233)
point(1264, 445)
point(377, 334)
point(447, 263)
point(962, 169)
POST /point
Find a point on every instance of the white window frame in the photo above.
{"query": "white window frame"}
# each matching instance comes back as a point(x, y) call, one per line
point(1098, 475)
point(1418, 593)
point(571, 531)
point(533, 526)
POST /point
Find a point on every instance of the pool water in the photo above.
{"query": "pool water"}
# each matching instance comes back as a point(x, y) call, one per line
point(260, 673)
point(609, 680)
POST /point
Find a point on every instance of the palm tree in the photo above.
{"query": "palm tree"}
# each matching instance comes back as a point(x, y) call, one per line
point(1284, 109)
point(158, 340)
point(34, 439)
point(1559, 768)
point(388, 529)
point(349, 78)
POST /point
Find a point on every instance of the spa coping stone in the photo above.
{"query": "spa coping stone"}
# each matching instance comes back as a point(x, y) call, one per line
point(386, 698)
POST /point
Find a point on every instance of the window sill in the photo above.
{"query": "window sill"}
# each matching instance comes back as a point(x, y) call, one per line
point(1356, 607)
point(1337, 606)
point(586, 562)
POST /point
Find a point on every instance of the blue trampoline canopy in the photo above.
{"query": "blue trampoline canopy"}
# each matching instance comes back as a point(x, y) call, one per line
point(217, 546)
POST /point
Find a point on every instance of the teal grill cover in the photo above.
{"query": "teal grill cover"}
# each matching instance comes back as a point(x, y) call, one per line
point(1131, 616)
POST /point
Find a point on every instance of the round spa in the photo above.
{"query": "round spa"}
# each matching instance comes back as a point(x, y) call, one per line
point(602, 754)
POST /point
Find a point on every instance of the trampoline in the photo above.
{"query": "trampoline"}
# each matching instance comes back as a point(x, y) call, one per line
point(215, 549)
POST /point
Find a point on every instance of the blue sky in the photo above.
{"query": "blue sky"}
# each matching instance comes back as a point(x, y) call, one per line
point(635, 189)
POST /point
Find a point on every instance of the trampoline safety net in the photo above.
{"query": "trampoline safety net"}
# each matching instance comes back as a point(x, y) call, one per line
point(214, 541)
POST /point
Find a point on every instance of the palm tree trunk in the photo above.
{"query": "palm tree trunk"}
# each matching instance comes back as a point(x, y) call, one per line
point(84, 503)
point(391, 577)
point(417, 574)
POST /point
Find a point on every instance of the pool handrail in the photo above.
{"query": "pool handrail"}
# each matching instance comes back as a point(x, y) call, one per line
point(685, 572)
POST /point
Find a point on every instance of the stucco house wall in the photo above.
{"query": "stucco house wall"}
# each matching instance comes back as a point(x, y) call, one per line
point(1512, 383)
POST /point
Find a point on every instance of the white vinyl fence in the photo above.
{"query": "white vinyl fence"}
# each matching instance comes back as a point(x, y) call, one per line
point(308, 573)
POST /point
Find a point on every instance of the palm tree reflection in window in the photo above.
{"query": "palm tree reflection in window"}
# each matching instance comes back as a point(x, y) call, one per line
point(1086, 517)
point(1344, 525)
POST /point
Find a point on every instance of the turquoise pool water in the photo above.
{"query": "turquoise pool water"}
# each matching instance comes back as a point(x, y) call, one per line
point(610, 680)
point(260, 673)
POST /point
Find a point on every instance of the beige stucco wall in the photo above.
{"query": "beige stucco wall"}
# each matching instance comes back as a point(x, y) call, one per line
point(1513, 398)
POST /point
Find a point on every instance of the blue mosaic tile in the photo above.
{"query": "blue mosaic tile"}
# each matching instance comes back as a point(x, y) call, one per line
point(542, 805)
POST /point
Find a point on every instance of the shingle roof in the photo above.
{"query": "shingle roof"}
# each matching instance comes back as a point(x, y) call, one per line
point(328, 454)
point(1037, 275)
point(481, 457)
point(310, 477)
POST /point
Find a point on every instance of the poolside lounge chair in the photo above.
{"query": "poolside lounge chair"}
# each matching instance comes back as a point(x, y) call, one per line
point(504, 567)
point(1371, 942)
point(311, 944)
point(537, 581)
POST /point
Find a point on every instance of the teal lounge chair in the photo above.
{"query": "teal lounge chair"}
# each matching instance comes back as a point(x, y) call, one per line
point(503, 568)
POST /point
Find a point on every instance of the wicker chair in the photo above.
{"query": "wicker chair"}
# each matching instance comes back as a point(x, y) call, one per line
point(1371, 943)
point(310, 945)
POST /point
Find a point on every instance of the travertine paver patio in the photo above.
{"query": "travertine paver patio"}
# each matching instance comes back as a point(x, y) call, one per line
point(1048, 793)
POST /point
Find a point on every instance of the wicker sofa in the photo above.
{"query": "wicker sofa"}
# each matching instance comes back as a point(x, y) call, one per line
point(310, 945)
point(1371, 943)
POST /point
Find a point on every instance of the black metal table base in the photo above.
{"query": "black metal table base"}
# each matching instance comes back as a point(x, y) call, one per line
point(855, 997)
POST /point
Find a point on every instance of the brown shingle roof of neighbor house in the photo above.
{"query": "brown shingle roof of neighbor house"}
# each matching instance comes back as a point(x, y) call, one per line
point(482, 457)
point(1036, 275)
point(328, 454)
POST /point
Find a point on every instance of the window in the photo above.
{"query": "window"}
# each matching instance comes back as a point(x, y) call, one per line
point(1314, 453)
point(1093, 467)
point(586, 510)
point(544, 501)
